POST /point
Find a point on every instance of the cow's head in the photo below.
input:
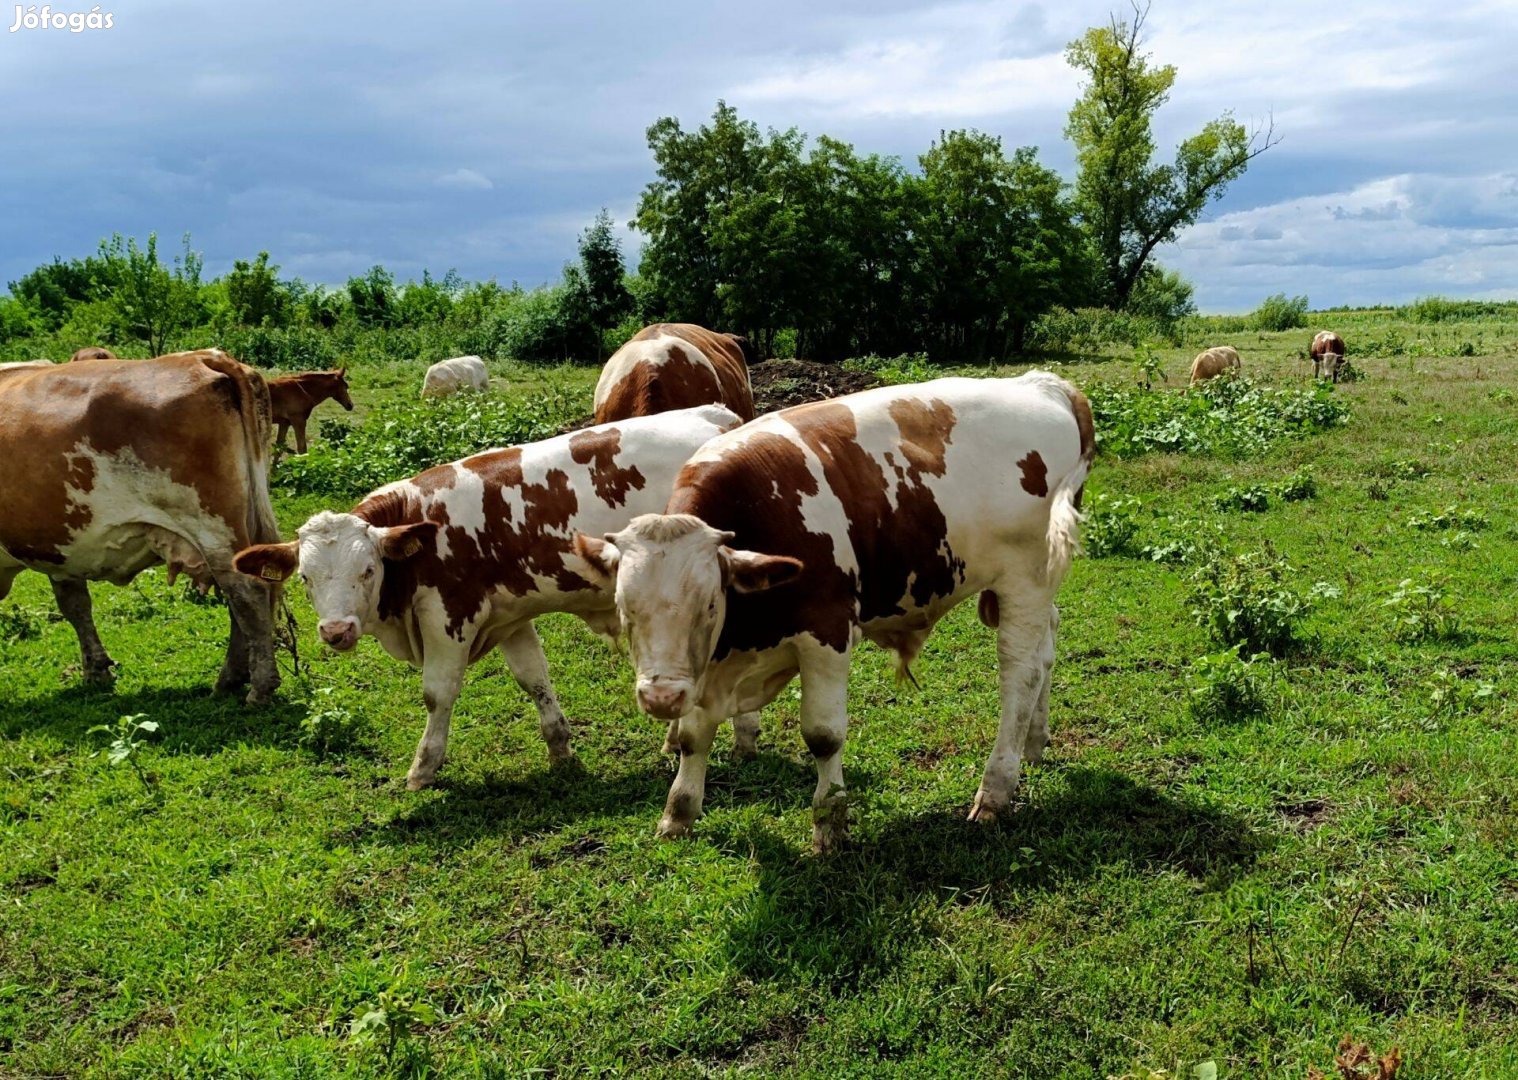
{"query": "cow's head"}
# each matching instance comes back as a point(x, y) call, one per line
point(1331, 362)
point(673, 573)
point(341, 560)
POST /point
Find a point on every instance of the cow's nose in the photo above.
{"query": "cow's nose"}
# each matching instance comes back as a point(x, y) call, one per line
point(341, 634)
point(664, 700)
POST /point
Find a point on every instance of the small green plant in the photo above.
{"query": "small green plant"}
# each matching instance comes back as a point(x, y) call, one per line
point(1111, 527)
point(893, 370)
point(327, 726)
point(1405, 469)
point(1253, 499)
point(1422, 611)
point(1450, 696)
point(1226, 686)
point(1244, 600)
point(394, 1015)
point(124, 747)
point(1378, 491)
point(1299, 486)
point(1501, 395)
point(21, 623)
point(1398, 397)
point(1449, 519)
point(1460, 540)
point(1148, 366)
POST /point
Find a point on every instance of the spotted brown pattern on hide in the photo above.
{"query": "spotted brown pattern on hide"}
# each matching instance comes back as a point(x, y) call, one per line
point(598, 449)
point(1086, 425)
point(1035, 474)
point(509, 553)
point(195, 417)
point(682, 382)
point(755, 490)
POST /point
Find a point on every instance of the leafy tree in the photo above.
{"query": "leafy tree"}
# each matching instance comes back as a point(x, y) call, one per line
point(52, 289)
point(254, 294)
point(603, 294)
point(1129, 204)
point(1162, 294)
point(149, 301)
point(428, 302)
point(371, 297)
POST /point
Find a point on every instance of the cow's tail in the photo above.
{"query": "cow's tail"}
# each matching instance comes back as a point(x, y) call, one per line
point(1065, 522)
point(1064, 536)
point(253, 405)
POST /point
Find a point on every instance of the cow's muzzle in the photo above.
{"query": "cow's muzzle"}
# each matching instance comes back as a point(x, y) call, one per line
point(665, 699)
point(340, 634)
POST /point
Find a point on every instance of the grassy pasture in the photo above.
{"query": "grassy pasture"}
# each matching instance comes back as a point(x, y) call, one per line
point(1175, 888)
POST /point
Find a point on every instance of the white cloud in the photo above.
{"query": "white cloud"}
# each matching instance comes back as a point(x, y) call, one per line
point(465, 180)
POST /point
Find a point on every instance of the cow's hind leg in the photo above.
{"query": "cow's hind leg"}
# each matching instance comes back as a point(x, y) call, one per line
point(73, 599)
point(745, 735)
point(442, 678)
point(1038, 728)
point(524, 656)
point(1020, 635)
point(250, 651)
point(824, 727)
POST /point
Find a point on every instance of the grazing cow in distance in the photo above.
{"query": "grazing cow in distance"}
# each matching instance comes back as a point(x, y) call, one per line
point(459, 560)
point(293, 397)
point(1327, 354)
point(448, 377)
point(868, 516)
point(1214, 362)
point(676, 366)
point(132, 464)
point(93, 353)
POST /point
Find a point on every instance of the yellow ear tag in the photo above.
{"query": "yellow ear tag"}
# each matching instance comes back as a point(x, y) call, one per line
point(413, 545)
point(270, 572)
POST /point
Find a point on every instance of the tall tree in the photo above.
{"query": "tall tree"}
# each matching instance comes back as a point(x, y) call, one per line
point(151, 302)
point(254, 294)
point(602, 273)
point(1131, 205)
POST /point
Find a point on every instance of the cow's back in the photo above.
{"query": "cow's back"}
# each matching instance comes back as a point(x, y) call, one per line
point(898, 501)
point(176, 441)
point(669, 366)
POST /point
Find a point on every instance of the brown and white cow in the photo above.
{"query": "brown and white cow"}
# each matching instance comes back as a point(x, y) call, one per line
point(789, 540)
point(1213, 362)
point(460, 559)
point(676, 366)
point(293, 397)
point(94, 352)
point(116, 466)
point(1327, 354)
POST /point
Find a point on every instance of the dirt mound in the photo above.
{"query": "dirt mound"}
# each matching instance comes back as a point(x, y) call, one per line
point(779, 384)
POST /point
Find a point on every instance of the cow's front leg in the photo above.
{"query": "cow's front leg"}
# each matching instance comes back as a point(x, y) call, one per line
point(442, 678)
point(694, 739)
point(524, 656)
point(1022, 631)
point(824, 727)
point(73, 599)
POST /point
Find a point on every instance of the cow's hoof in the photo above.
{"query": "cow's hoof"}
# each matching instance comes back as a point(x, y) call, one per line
point(230, 682)
point(984, 812)
point(672, 828)
point(100, 676)
point(564, 759)
point(828, 840)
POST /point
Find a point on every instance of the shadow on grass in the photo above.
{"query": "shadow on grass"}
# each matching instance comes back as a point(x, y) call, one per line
point(857, 915)
point(469, 808)
point(192, 720)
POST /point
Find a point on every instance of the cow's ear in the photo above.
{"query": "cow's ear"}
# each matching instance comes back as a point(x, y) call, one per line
point(749, 571)
point(268, 562)
point(601, 556)
point(404, 541)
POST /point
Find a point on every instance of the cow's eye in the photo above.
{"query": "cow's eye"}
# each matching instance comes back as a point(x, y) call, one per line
point(368, 572)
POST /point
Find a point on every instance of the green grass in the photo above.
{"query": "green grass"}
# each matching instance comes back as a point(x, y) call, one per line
point(1171, 890)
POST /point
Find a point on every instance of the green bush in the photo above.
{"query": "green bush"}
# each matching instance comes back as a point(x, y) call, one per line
point(1299, 486)
point(1232, 418)
point(298, 348)
point(404, 439)
point(1081, 330)
point(1422, 611)
point(1254, 499)
point(1244, 600)
point(1111, 527)
point(1280, 312)
point(1225, 686)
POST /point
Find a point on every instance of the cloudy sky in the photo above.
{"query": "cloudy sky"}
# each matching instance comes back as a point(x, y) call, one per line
point(484, 137)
